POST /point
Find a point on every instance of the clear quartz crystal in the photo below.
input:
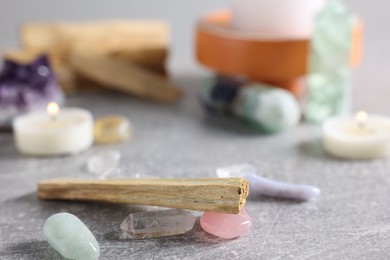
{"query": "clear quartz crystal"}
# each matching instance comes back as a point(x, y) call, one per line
point(158, 223)
point(104, 161)
point(329, 75)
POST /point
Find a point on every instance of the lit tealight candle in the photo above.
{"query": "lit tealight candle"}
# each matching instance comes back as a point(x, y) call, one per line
point(54, 132)
point(363, 137)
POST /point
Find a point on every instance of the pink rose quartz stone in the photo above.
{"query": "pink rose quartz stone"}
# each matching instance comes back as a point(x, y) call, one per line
point(226, 225)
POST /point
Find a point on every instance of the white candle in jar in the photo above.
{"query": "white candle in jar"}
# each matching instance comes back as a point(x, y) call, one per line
point(363, 137)
point(54, 132)
point(275, 18)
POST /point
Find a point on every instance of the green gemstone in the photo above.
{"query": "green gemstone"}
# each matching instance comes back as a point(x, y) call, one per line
point(272, 109)
point(329, 75)
point(70, 237)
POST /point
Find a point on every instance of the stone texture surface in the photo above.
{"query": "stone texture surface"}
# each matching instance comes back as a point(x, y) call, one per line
point(350, 220)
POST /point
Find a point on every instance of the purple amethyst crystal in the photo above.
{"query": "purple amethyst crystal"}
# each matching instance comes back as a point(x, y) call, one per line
point(26, 87)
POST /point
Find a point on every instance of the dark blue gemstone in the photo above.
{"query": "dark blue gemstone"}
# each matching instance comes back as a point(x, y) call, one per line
point(225, 89)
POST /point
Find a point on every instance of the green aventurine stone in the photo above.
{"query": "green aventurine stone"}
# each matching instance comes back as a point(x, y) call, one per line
point(272, 109)
point(329, 78)
point(70, 237)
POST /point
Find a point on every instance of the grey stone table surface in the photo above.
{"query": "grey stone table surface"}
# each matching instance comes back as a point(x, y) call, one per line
point(351, 219)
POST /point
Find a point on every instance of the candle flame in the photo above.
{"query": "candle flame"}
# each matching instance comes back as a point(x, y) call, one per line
point(361, 118)
point(53, 109)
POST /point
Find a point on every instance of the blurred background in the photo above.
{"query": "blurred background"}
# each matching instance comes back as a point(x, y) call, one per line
point(181, 15)
point(370, 78)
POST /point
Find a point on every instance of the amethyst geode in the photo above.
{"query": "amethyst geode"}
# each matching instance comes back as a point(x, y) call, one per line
point(26, 87)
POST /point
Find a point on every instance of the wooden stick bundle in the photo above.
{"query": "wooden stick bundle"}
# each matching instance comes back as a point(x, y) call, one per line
point(225, 195)
point(119, 75)
point(109, 36)
point(135, 52)
point(144, 43)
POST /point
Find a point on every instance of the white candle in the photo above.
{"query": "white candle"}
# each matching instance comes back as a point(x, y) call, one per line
point(275, 18)
point(363, 137)
point(54, 132)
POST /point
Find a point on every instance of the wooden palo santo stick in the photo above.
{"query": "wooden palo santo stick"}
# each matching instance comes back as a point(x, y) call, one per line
point(144, 43)
point(123, 76)
point(224, 195)
point(108, 35)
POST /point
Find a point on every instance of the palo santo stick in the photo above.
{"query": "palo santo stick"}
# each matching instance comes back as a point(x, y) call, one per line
point(225, 195)
point(144, 43)
point(117, 74)
point(143, 56)
point(152, 59)
point(107, 36)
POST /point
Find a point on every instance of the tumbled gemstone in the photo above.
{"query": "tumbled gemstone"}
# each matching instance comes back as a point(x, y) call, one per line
point(112, 129)
point(266, 107)
point(262, 186)
point(70, 237)
point(104, 161)
point(226, 225)
point(271, 109)
point(218, 94)
point(159, 223)
point(225, 89)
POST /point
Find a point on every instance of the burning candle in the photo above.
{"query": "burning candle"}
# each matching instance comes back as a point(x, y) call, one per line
point(363, 137)
point(54, 132)
point(276, 18)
